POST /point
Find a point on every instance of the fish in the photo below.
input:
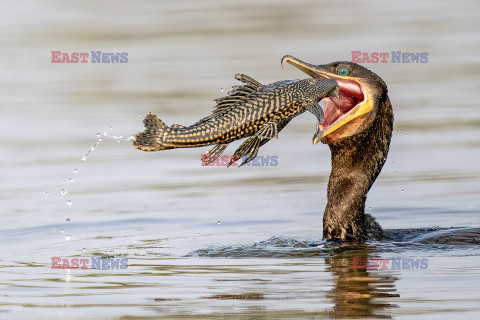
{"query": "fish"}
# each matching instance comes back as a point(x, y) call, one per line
point(251, 110)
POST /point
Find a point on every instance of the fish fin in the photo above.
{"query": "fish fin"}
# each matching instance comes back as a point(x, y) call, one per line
point(213, 153)
point(235, 97)
point(248, 80)
point(316, 110)
point(268, 131)
point(151, 139)
point(238, 94)
point(275, 85)
point(248, 149)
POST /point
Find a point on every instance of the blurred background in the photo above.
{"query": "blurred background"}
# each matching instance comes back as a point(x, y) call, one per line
point(154, 207)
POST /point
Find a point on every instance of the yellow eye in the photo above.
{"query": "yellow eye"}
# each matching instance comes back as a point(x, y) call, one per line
point(343, 72)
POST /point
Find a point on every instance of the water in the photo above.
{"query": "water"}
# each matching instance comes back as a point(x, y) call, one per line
point(161, 210)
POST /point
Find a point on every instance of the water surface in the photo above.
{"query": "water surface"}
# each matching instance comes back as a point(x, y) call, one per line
point(211, 242)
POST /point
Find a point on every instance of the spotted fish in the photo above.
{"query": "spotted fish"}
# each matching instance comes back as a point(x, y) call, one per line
point(251, 110)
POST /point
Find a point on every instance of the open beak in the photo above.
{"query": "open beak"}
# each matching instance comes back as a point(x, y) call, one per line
point(343, 114)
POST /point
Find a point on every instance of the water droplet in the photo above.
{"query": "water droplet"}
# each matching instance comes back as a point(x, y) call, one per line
point(84, 249)
point(396, 172)
point(68, 237)
point(139, 115)
point(198, 234)
point(61, 230)
point(84, 158)
point(370, 208)
point(46, 192)
point(70, 180)
point(219, 222)
point(63, 192)
point(406, 134)
point(44, 110)
point(222, 89)
point(92, 148)
point(54, 229)
point(403, 190)
point(105, 133)
point(69, 202)
point(68, 220)
point(111, 128)
point(264, 200)
point(75, 170)
point(398, 108)
point(99, 135)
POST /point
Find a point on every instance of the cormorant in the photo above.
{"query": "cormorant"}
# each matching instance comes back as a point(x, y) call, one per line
point(357, 127)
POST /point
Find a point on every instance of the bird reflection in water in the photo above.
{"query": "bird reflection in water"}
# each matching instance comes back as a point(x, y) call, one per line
point(359, 292)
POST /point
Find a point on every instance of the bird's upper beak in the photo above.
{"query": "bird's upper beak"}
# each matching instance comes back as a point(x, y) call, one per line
point(343, 114)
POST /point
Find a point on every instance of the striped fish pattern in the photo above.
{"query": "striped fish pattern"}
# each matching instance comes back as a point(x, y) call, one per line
point(250, 110)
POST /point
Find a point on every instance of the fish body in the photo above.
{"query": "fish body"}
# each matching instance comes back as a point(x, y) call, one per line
point(251, 110)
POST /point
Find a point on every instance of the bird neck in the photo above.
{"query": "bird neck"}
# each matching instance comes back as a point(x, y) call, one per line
point(356, 163)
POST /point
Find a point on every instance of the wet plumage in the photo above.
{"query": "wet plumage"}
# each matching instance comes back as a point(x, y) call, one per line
point(357, 127)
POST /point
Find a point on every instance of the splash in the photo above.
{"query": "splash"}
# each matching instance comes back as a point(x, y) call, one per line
point(275, 247)
point(64, 190)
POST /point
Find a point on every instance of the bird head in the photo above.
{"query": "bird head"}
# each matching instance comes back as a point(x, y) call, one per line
point(356, 106)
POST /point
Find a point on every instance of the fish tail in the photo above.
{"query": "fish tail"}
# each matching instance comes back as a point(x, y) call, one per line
point(152, 138)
